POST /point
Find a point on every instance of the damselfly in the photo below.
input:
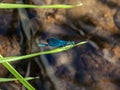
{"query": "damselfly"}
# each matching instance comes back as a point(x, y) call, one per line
point(54, 42)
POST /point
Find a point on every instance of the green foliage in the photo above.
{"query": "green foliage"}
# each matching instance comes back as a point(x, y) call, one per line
point(12, 6)
point(14, 79)
point(17, 75)
point(60, 49)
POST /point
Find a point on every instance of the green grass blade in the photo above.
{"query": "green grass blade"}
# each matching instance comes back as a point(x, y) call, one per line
point(17, 75)
point(7, 59)
point(13, 6)
point(14, 79)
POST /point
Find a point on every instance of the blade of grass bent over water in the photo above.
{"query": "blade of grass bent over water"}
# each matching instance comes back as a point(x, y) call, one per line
point(7, 59)
point(13, 6)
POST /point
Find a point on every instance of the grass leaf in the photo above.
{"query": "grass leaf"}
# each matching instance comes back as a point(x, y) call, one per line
point(16, 58)
point(13, 6)
point(14, 79)
point(17, 75)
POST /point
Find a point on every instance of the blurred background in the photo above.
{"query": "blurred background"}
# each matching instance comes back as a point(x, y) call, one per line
point(92, 66)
